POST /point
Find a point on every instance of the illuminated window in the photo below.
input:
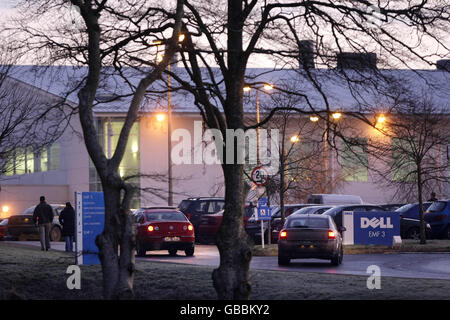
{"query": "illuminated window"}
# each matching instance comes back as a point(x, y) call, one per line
point(354, 160)
point(108, 135)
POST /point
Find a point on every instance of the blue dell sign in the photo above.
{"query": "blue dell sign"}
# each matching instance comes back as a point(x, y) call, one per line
point(377, 227)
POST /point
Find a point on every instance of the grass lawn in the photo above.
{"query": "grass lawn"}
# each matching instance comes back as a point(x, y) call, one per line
point(28, 273)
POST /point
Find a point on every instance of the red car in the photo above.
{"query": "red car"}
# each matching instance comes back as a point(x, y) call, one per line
point(210, 224)
point(3, 228)
point(163, 229)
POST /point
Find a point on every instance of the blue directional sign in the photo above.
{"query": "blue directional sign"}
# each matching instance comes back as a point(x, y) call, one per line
point(90, 219)
point(263, 210)
point(376, 227)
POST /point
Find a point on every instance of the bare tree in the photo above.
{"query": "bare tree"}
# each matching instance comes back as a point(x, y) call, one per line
point(30, 121)
point(223, 39)
point(411, 150)
point(106, 37)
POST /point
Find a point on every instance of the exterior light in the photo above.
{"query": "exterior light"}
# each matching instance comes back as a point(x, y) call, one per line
point(134, 148)
point(336, 115)
point(295, 139)
point(159, 57)
point(160, 117)
point(247, 88)
point(268, 87)
point(381, 118)
point(156, 42)
point(5, 209)
point(121, 173)
point(314, 118)
point(181, 37)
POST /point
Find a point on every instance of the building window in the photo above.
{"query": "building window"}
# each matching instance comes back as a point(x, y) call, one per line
point(108, 135)
point(31, 161)
point(354, 160)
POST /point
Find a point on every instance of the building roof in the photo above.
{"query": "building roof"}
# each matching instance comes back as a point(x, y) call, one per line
point(364, 92)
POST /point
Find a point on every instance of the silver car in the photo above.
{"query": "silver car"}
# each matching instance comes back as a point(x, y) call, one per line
point(310, 236)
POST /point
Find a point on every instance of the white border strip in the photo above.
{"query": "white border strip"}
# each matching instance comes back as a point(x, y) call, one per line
point(79, 228)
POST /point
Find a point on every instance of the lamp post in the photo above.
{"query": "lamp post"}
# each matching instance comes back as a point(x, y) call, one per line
point(159, 58)
point(335, 116)
point(267, 87)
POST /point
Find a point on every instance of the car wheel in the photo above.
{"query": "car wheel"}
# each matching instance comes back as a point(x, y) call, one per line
point(447, 232)
point(189, 252)
point(55, 234)
point(140, 251)
point(337, 260)
point(173, 252)
point(283, 261)
point(413, 233)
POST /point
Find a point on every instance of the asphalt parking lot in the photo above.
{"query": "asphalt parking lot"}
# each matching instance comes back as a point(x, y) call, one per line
point(402, 265)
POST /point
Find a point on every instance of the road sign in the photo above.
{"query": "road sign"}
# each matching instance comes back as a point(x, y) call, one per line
point(263, 210)
point(260, 176)
point(90, 219)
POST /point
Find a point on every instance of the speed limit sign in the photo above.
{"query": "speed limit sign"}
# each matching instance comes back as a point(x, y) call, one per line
point(260, 176)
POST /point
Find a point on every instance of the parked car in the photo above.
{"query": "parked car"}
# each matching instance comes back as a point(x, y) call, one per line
point(336, 212)
point(254, 226)
point(195, 208)
point(438, 216)
point(313, 209)
point(410, 228)
point(411, 210)
point(335, 199)
point(210, 224)
point(163, 229)
point(310, 236)
point(391, 206)
point(21, 226)
point(3, 228)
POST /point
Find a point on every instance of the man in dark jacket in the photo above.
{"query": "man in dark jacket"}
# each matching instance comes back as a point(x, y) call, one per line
point(67, 220)
point(43, 216)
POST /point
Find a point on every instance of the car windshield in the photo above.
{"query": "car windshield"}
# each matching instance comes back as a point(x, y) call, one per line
point(405, 208)
point(304, 210)
point(184, 205)
point(165, 216)
point(332, 211)
point(307, 222)
point(437, 206)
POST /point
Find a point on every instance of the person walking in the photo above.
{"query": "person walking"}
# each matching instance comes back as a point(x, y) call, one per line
point(67, 220)
point(43, 217)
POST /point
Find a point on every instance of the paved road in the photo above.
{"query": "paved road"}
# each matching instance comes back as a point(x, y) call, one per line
point(404, 265)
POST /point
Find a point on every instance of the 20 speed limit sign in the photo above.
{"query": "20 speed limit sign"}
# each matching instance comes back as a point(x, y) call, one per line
point(260, 176)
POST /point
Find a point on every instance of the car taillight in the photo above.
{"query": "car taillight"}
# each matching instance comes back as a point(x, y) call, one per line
point(283, 234)
point(190, 227)
point(150, 228)
point(331, 235)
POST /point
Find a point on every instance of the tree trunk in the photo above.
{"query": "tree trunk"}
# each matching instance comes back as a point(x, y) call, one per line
point(423, 236)
point(231, 279)
point(118, 234)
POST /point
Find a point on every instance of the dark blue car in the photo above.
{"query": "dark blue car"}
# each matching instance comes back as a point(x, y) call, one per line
point(411, 210)
point(438, 216)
